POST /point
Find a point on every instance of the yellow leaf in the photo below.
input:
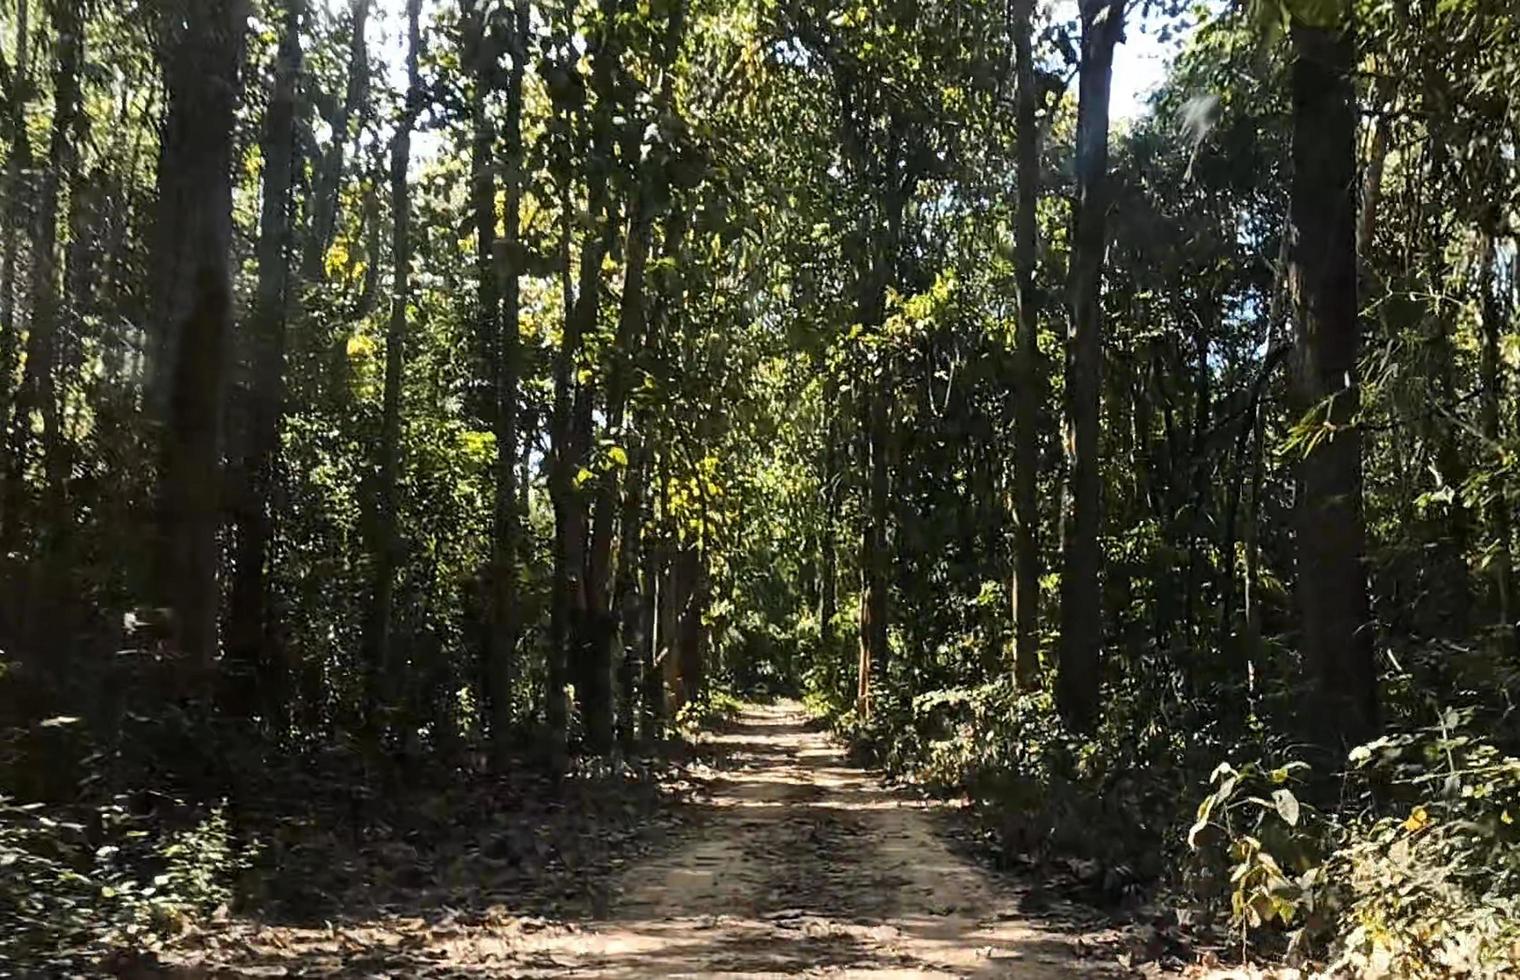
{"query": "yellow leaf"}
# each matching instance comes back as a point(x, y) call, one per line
point(1418, 820)
point(360, 346)
point(337, 260)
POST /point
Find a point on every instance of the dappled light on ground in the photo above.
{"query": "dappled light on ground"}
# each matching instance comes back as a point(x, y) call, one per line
point(796, 864)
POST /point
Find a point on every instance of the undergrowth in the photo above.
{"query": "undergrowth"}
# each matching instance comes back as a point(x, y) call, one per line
point(1401, 861)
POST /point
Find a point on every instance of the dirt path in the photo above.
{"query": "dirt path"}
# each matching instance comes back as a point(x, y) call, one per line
point(807, 866)
point(793, 863)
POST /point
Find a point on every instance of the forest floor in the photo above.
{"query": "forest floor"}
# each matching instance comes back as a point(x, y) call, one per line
point(788, 861)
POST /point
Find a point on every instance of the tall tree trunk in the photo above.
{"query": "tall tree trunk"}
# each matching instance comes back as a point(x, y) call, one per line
point(385, 542)
point(875, 424)
point(38, 395)
point(574, 628)
point(614, 604)
point(256, 662)
point(651, 645)
point(1251, 587)
point(1029, 389)
point(1450, 575)
point(828, 546)
point(874, 559)
point(1081, 590)
point(657, 603)
point(1198, 502)
point(690, 592)
point(1247, 445)
point(506, 535)
point(18, 166)
point(627, 600)
point(202, 50)
point(568, 545)
point(600, 596)
point(1501, 562)
point(327, 181)
point(1332, 585)
point(479, 56)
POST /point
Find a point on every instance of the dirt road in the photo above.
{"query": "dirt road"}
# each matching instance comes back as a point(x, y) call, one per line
point(793, 862)
point(807, 866)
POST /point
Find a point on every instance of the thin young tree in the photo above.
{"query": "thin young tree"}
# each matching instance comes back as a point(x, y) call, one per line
point(38, 397)
point(250, 637)
point(385, 540)
point(1028, 381)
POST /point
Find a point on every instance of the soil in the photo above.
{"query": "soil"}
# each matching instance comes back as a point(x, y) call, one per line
point(797, 863)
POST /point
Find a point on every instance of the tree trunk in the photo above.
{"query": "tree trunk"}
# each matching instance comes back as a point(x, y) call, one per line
point(38, 394)
point(1450, 577)
point(602, 610)
point(566, 587)
point(876, 429)
point(828, 546)
point(1029, 389)
point(18, 168)
point(1198, 502)
point(1251, 587)
point(657, 605)
point(651, 602)
point(255, 659)
point(1331, 586)
point(1450, 574)
point(507, 533)
point(874, 559)
point(479, 57)
point(690, 590)
point(498, 266)
point(1081, 590)
point(1501, 563)
point(579, 623)
point(202, 50)
point(627, 602)
point(1247, 446)
point(385, 542)
point(327, 182)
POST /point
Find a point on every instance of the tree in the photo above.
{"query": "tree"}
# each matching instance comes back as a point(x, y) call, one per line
point(1322, 275)
point(385, 544)
point(1491, 311)
point(1081, 519)
point(251, 647)
point(327, 180)
point(202, 43)
point(498, 273)
point(1028, 392)
point(17, 87)
point(38, 394)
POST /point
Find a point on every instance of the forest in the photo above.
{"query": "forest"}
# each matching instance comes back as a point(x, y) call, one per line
point(469, 463)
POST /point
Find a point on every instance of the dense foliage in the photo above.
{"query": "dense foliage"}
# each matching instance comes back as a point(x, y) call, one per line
point(408, 391)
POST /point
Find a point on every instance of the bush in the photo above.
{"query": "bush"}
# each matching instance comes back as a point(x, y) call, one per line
point(107, 875)
point(1416, 874)
point(1433, 888)
point(1257, 845)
